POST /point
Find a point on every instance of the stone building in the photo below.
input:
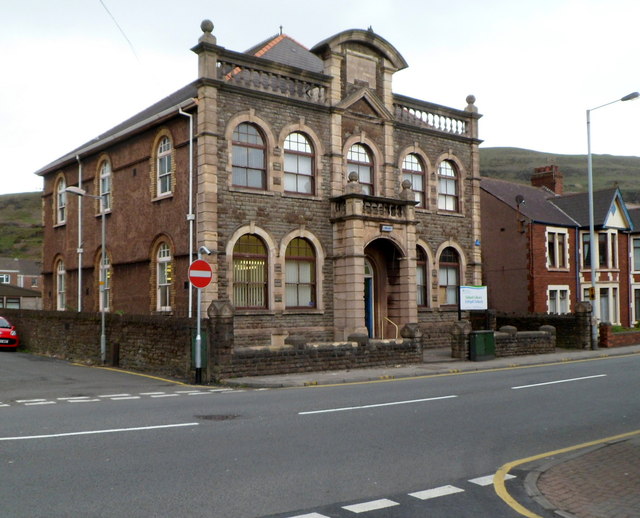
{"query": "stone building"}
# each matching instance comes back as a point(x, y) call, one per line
point(333, 206)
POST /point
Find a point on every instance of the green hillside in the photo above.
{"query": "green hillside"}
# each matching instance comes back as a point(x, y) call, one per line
point(21, 225)
point(517, 165)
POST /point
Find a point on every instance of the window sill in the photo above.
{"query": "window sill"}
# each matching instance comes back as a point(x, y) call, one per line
point(162, 197)
point(449, 213)
point(303, 311)
point(62, 224)
point(249, 190)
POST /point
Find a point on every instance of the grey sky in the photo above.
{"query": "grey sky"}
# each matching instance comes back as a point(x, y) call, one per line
point(67, 73)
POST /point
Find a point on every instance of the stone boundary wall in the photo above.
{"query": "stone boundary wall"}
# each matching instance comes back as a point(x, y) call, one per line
point(573, 330)
point(319, 357)
point(155, 344)
point(610, 339)
point(508, 341)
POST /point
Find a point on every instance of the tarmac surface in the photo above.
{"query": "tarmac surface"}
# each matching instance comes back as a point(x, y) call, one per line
point(595, 480)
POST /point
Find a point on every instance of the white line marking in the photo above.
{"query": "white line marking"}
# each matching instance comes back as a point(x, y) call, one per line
point(40, 403)
point(113, 395)
point(310, 515)
point(151, 393)
point(71, 398)
point(198, 393)
point(96, 432)
point(488, 480)
point(559, 381)
point(436, 492)
point(166, 395)
point(370, 506)
point(375, 406)
point(4, 404)
point(29, 400)
point(124, 397)
point(82, 400)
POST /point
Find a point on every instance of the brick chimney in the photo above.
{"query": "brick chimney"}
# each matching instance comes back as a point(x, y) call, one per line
point(548, 176)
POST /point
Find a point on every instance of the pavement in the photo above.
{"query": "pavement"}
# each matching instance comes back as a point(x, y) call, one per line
point(595, 480)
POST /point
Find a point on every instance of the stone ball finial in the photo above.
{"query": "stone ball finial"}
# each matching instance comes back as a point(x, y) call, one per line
point(471, 99)
point(406, 184)
point(207, 26)
point(353, 176)
point(471, 107)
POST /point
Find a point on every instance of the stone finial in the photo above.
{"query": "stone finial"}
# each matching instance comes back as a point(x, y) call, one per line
point(407, 192)
point(354, 186)
point(207, 29)
point(471, 107)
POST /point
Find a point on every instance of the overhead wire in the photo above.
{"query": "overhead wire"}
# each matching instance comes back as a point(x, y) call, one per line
point(121, 30)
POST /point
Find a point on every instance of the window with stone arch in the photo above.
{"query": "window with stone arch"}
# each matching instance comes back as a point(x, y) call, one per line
point(448, 187)
point(448, 276)
point(60, 285)
point(299, 176)
point(422, 278)
point(105, 184)
point(164, 167)
point(60, 201)
point(164, 277)
point(300, 274)
point(249, 157)
point(360, 160)
point(413, 170)
point(250, 277)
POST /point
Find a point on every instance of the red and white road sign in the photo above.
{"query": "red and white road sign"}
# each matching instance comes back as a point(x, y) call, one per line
point(200, 273)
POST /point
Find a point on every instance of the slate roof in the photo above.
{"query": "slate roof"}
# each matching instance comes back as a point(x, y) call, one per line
point(23, 266)
point(537, 204)
point(284, 49)
point(9, 290)
point(578, 205)
point(634, 214)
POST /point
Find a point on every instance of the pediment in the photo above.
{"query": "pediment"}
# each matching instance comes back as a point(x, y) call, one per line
point(617, 216)
point(365, 101)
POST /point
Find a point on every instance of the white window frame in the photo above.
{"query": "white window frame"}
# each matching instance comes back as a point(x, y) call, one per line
point(105, 289)
point(562, 296)
point(61, 299)
point(413, 170)
point(163, 277)
point(298, 150)
point(554, 263)
point(5, 278)
point(635, 261)
point(61, 201)
point(448, 187)
point(635, 308)
point(164, 166)
point(105, 185)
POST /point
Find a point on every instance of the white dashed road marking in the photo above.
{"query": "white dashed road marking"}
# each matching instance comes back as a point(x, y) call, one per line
point(370, 506)
point(488, 480)
point(436, 492)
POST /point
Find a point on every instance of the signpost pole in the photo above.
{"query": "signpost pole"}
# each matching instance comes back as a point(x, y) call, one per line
point(200, 275)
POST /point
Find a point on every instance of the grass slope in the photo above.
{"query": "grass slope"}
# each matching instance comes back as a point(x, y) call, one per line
point(21, 225)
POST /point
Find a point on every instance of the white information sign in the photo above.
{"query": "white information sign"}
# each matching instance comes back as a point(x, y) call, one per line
point(473, 297)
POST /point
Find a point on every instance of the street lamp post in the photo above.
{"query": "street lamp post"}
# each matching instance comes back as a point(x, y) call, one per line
point(103, 277)
point(592, 234)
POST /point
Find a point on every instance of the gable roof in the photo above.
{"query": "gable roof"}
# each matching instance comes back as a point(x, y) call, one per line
point(284, 49)
point(9, 290)
point(604, 203)
point(536, 206)
point(22, 266)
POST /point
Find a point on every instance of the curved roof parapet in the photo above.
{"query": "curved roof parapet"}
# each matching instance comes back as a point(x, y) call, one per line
point(368, 38)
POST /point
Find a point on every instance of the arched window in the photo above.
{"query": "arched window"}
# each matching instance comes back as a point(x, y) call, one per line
point(447, 186)
point(105, 184)
point(61, 299)
point(164, 166)
point(298, 164)
point(422, 278)
point(61, 201)
point(359, 160)
point(449, 276)
point(104, 283)
point(250, 272)
point(300, 273)
point(249, 164)
point(413, 170)
point(164, 278)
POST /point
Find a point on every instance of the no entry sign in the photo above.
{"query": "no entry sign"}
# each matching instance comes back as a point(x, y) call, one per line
point(200, 273)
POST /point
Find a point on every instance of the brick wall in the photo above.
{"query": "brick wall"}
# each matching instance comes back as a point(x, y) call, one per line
point(610, 339)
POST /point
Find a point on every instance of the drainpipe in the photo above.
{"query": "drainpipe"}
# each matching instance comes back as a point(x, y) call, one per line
point(190, 215)
point(79, 250)
point(576, 260)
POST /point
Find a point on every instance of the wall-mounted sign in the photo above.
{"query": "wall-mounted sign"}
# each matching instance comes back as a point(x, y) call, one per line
point(386, 228)
point(473, 297)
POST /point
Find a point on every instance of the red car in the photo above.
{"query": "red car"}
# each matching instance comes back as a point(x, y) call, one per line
point(8, 335)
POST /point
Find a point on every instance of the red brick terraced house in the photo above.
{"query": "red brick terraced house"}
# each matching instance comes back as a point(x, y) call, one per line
point(333, 205)
point(536, 247)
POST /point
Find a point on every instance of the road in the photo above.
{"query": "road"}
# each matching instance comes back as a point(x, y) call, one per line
point(78, 441)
